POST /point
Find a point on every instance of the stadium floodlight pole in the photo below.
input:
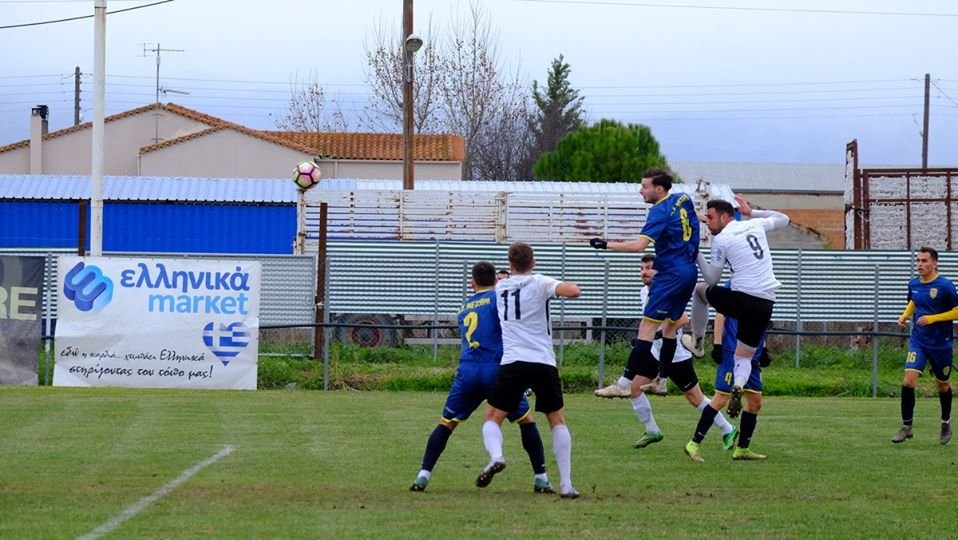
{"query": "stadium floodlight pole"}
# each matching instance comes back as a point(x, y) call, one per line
point(99, 91)
point(411, 44)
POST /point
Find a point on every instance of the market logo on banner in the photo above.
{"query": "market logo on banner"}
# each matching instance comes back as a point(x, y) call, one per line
point(226, 340)
point(87, 287)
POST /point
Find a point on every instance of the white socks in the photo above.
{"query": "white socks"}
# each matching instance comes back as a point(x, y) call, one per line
point(700, 316)
point(742, 370)
point(492, 439)
point(643, 409)
point(624, 383)
point(562, 449)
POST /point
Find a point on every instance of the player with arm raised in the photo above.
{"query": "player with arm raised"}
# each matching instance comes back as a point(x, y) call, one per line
point(750, 297)
point(528, 361)
point(673, 226)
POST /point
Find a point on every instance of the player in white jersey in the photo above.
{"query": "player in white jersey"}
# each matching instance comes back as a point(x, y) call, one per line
point(750, 296)
point(682, 374)
point(528, 361)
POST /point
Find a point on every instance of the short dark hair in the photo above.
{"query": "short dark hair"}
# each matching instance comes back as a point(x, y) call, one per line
point(720, 206)
point(659, 177)
point(484, 274)
point(648, 257)
point(929, 250)
point(521, 257)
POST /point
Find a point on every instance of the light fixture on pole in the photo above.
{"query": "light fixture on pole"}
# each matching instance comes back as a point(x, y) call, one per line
point(412, 44)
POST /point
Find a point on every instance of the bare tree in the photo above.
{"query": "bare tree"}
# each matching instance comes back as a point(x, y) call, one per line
point(459, 87)
point(308, 109)
point(385, 77)
point(472, 88)
point(501, 149)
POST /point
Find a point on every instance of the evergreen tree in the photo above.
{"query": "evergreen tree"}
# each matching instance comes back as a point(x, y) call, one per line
point(558, 111)
point(605, 152)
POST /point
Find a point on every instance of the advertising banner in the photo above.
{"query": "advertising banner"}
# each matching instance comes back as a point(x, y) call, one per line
point(157, 323)
point(21, 295)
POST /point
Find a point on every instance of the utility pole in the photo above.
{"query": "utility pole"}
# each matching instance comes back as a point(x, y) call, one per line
point(156, 113)
point(408, 176)
point(924, 129)
point(76, 96)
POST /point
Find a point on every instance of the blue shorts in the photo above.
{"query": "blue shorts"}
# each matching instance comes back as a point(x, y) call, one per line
point(670, 292)
point(470, 388)
point(940, 360)
point(723, 376)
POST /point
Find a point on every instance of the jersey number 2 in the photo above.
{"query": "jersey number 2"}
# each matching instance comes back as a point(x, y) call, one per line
point(471, 320)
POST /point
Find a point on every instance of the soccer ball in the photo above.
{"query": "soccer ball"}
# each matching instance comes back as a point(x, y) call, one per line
point(306, 174)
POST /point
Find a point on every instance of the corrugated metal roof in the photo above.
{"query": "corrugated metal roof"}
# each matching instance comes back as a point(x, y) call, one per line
point(149, 188)
point(716, 190)
point(767, 177)
point(280, 190)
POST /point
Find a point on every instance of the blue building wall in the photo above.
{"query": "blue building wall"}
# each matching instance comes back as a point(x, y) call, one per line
point(153, 227)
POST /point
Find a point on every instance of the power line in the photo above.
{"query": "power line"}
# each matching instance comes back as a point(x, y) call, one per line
point(231, 80)
point(30, 76)
point(68, 19)
point(56, 1)
point(614, 87)
point(935, 84)
point(739, 8)
point(751, 84)
point(741, 102)
point(757, 93)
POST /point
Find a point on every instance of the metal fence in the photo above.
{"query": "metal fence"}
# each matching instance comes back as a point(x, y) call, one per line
point(424, 278)
point(391, 293)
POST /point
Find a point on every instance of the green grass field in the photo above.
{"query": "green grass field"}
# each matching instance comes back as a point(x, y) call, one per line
point(309, 464)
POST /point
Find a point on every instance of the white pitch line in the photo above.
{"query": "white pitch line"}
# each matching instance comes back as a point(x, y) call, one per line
point(139, 506)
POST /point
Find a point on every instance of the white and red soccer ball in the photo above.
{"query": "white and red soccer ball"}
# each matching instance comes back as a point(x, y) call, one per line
point(306, 174)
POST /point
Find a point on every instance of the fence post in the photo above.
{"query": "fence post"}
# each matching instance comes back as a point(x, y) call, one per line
point(798, 312)
point(875, 339)
point(49, 289)
point(321, 280)
point(435, 311)
point(326, 337)
point(605, 312)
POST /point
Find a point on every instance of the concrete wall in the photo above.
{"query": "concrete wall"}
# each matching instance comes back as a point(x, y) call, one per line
point(16, 161)
point(222, 154)
point(123, 138)
point(233, 154)
point(380, 170)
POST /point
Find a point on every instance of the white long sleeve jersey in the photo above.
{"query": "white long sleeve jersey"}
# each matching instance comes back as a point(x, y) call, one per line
point(743, 245)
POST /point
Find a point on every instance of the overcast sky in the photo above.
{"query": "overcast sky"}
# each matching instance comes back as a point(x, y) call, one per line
point(716, 80)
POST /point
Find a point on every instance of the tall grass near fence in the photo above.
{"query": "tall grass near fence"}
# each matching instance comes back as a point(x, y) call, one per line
point(822, 370)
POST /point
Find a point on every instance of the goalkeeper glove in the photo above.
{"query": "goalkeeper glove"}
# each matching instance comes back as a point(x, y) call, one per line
point(765, 359)
point(599, 243)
